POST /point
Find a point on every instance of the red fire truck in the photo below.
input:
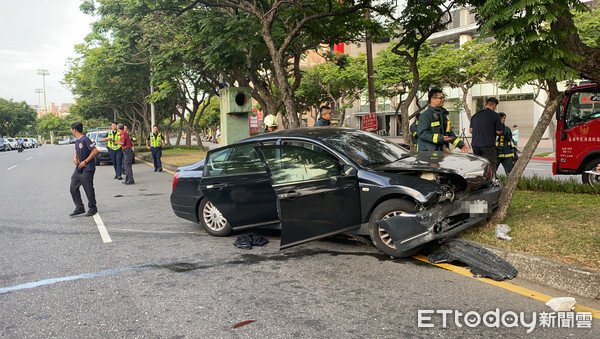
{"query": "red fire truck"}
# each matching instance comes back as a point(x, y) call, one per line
point(578, 133)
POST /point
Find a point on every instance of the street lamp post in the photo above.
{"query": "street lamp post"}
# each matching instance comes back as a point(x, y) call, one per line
point(39, 91)
point(43, 73)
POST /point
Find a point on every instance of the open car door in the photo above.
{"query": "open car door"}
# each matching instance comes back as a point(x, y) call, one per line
point(236, 182)
point(317, 196)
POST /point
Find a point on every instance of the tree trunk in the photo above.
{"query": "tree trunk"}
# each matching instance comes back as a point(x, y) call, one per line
point(412, 94)
point(554, 99)
point(179, 132)
point(464, 101)
point(281, 76)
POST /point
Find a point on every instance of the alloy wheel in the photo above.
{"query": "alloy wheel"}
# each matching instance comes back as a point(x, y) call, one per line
point(213, 217)
point(383, 235)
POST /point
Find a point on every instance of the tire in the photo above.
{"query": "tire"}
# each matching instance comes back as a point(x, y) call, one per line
point(379, 236)
point(590, 179)
point(97, 161)
point(212, 220)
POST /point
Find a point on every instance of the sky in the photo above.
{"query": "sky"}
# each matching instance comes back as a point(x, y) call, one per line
point(38, 34)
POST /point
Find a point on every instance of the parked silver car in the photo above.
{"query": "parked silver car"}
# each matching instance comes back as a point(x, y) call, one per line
point(12, 142)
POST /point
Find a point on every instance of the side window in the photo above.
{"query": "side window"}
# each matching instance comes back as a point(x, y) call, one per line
point(241, 159)
point(294, 163)
point(583, 107)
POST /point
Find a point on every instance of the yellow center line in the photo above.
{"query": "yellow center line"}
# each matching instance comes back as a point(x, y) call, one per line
point(508, 286)
point(151, 164)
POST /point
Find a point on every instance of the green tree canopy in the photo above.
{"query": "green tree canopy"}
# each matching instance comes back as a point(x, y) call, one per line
point(15, 117)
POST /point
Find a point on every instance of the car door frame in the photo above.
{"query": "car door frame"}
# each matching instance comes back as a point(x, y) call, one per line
point(305, 219)
point(237, 196)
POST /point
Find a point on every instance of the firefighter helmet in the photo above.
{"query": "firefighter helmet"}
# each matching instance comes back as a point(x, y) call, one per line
point(270, 121)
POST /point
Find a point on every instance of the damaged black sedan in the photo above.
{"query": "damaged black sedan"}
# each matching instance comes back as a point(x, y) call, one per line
point(317, 182)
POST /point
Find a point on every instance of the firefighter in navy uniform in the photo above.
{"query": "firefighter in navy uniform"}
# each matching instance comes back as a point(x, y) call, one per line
point(114, 149)
point(413, 129)
point(434, 131)
point(505, 147)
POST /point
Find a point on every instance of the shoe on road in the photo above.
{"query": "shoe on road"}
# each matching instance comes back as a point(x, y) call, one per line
point(160, 169)
point(115, 177)
point(119, 178)
point(76, 212)
point(91, 212)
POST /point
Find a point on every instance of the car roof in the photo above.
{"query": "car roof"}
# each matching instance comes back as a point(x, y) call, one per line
point(318, 133)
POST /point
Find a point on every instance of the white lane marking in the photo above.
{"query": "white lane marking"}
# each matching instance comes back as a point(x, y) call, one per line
point(8, 169)
point(160, 232)
point(102, 229)
point(29, 158)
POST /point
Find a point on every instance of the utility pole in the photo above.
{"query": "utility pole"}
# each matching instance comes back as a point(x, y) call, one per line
point(370, 80)
point(39, 91)
point(43, 73)
point(152, 112)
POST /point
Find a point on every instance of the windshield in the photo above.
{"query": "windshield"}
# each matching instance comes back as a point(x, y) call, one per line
point(367, 148)
point(582, 107)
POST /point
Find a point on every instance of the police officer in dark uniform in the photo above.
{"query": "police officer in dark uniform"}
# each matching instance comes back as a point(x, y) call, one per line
point(114, 149)
point(83, 175)
point(434, 131)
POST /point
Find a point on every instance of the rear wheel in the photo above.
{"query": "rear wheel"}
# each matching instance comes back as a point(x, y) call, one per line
point(591, 179)
point(212, 220)
point(381, 239)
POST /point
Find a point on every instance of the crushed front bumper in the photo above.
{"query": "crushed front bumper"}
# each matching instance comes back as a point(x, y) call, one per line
point(409, 230)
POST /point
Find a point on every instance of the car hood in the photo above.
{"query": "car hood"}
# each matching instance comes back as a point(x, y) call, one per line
point(463, 164)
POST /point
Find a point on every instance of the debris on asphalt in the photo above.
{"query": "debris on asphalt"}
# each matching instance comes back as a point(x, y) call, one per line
point(246, 241)
point(501, 232)
point(482, 262)
point(243, 323)
point(562, 304)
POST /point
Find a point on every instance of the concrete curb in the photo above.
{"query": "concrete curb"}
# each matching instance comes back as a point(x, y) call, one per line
point(148, 158)
point(568, 278)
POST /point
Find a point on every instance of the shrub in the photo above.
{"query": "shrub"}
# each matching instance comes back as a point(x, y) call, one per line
point(537, 183)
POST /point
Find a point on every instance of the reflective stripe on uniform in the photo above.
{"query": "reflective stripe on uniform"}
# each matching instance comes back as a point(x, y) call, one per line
point(448, 126)
point(508, 155)
point(456, 141)
point(435, 138)
point(435, 124)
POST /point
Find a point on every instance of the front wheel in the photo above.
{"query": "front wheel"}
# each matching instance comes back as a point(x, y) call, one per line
point(591, 179)
point(211, 219)
point(381, 239)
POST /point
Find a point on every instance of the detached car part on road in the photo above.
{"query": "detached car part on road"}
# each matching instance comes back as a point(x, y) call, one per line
point(317, 182)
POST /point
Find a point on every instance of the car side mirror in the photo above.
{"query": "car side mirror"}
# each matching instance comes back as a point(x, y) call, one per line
point(349, 170)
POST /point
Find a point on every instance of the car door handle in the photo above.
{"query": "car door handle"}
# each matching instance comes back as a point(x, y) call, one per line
point(289, 195)
point(218, 186)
